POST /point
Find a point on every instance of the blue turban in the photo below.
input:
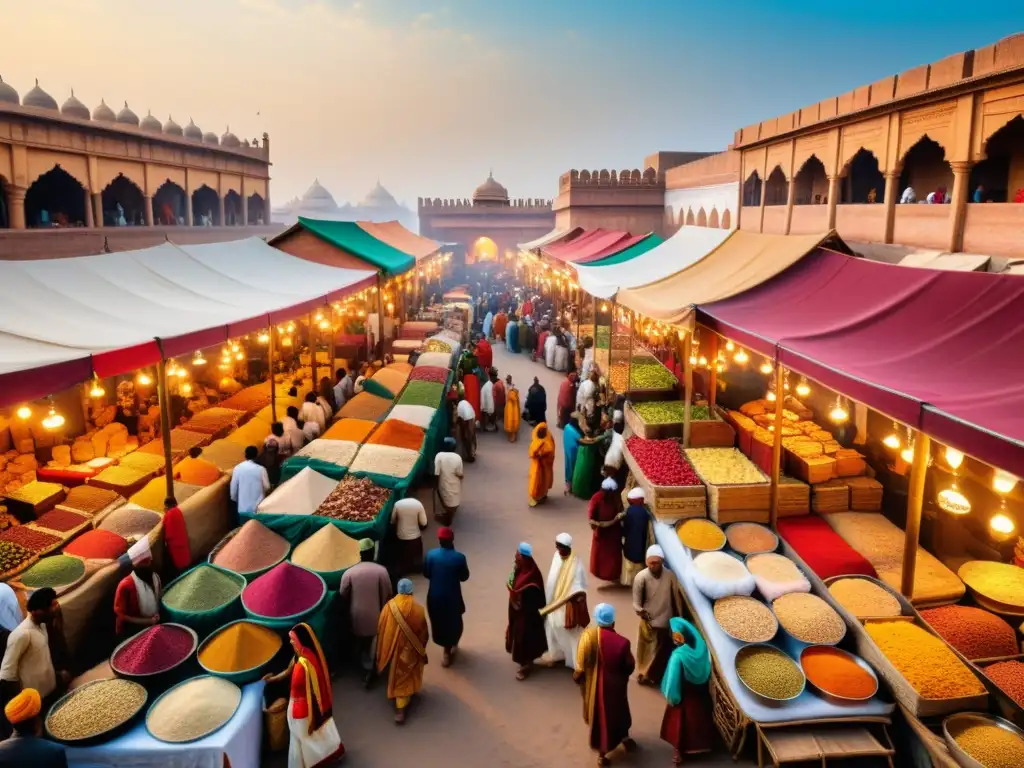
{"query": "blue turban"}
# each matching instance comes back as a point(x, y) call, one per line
point(449, 443)
point(405, 587)
point(604, 615)
point(525, 549)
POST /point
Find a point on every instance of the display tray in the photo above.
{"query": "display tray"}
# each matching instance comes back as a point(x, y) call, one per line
point(704, 433)
point(668, 503)
point(739, 502)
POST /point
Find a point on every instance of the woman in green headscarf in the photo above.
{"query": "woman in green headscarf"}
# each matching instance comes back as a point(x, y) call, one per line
point(687, 724)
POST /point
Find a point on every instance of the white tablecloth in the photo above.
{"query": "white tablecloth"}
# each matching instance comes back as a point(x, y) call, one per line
point(808, 706)
point(240, 740)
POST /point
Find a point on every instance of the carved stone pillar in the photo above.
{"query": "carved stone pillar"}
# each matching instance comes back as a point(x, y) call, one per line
point(90, 221)
point(220, 212)
point(833, 198)
point(147, 205)
point(892, 193)
point(16, 206)
point(245, 212)
point(958, 214)
point(764, 198)
point(790, 198)
point(266, 210)
point(97, 209)
point(188, 210)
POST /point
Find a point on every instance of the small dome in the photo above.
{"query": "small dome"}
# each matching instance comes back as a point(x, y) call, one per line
point(104, 113)
point(318, 194)
point(7, 94)
point(490, 192)
point(210, 138)
point(37, 97)
point(229, 139)
point(193, 131)
point(126, 116)
point(171, 128)
point(379, 197)
point(150, 123)
point(74, 108)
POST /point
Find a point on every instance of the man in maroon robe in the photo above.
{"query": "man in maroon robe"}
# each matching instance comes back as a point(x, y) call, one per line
point(605, 514)
point(604, 664)
point(525, 638)
point(566, 399)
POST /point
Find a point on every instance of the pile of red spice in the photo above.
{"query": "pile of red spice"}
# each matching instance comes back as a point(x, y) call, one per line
point(1009, 676)
point(429, 373)
point(97, 544)
point(284, 590)
point(29, 538)
point(156, 649)
point(62, 520)
point(976, 633)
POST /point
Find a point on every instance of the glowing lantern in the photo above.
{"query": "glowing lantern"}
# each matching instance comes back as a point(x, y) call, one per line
point(1001, 526)
point(97, 388)
point(892, 440)
point(53, 419)
point(198, 359)
point(741, 357)
point(729, 346)
point(263, 338)
point(24, 412)
point(954, 458)
point(144, 379)
point(1003, 482)
point(803, 389)
point(953, 501)
point(186, 389)
point(839, 413)
point(766, 368)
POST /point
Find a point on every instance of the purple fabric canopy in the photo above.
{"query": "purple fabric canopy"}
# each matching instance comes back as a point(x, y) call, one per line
point(940, 351)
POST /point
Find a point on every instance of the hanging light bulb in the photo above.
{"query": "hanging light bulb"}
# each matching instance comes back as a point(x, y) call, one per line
point(1001, 526)
point(770, 396)
point(693, 359)
point(24, 413)
point(318, 317)
point(720, 367)
point(839, 413)
point(953, 457)
point(53, 419)
point(198, 359)
point(234, 347)
point(892, 440)
point(263, 338)
point(291, 326)
point(144, 379)
point(702, 361)
point(741, 356)
point(97, 388)
point(286, 341)
point(729, 346)
point(324, 325)
point(239, 356)
point(767, 368)
point(186, 389)
point(803, 389)
point(953, 501)
point(1003, 482)
point(907, 454)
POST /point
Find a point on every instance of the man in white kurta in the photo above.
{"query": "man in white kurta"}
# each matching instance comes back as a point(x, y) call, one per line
point(487, 406)
point(565, 615)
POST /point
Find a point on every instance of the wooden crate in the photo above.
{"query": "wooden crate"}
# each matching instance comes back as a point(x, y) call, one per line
point(830, 496)
point(742, 502)
point(865, 494)
point(669, 503)
point(712, 433)
point(651, 431)
point(794, 497)
point(812, 471)
point(850, 463)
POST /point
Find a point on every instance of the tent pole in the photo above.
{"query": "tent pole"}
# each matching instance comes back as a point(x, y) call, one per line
point(688, 383)
point(712, 370)
point(164, 399)
point(380, 319)
point(780, 382)
point(270, 366)
point(915, 503)
point(629, 360)
point(330, 342)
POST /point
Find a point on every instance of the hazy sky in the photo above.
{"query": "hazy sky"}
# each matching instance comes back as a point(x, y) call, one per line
point(430, 94)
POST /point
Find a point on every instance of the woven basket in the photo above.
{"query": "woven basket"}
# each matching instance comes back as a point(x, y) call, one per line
point(275, 725)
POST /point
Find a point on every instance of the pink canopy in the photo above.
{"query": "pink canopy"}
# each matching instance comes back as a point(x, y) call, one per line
point(592, 244)
point(941, 351)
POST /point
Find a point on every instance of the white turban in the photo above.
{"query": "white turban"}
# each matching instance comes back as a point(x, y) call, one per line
point(636, 494)
point(609, 484)
point(655, 551)
point(564, 539)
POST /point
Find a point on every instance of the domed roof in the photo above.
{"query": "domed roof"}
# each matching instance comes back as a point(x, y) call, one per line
point(104, 113)
point(210, 138)
point(171, 128)
point(150, 123)
point(229, 139)
point(490, 191)
point(37, 97)
point(318, 198)
point(8, 94)
point(74, 108)
point(378, 197)
point(126, 116)
point(193, 131)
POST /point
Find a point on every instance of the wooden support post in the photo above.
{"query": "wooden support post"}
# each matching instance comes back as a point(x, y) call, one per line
point(163, 397)
point(273, 379)
point(712, 370)
point(780, 397)
point(330, 342)
point(915, 503)
point(688, 383)
point(629, 360)
point(380, 319)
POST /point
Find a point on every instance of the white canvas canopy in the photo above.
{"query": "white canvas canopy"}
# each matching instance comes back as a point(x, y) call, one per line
point(299, 495)
point(551, 237)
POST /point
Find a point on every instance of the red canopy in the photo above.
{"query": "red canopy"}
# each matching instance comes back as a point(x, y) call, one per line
point(587, 246)
point(941, 351)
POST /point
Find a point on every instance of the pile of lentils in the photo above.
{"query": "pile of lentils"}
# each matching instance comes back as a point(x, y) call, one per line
point(57, 571)
point(809, 619)
point(975, 632)
point(769, 672)
point(95, 709)
point(746, 619)
point(204, 588)
point(863, 598)
point(990, 745)
point(1009, 676)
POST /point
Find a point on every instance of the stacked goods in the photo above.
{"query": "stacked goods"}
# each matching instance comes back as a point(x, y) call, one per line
point(809, 619)
point(204, 588)
point(427, 393)
point(662, 462)
point(193, 709)
point(35, 541)
point(284, 591)
point(131, 521)
point(95, 709)
point(830, 496)
point(351, 430)
point(365, 406)
point(990, 745)
point(385, 461)
point(700, 534)
point(669, 412)
point(976, 633)
point(155, 649)
point(429, 373)
point(60, 520)
point(97, 545)
point(776, 575)
point(398, 434)
point(769, 672)
point(386, 382)
point(1009, 676)
point(724, 466)
point(58, 571)
point(737, 490)
point(434, 360)
point(647, 373)
point(811, 469)
point(746, 619)
point(420, 415)
point(224, 454)
point(794, 497)
point(90, 499)
point(239, 647)
point(864, 599)
point(122, 480)
point(356, 499)
point(924, 661)
point(154, 492)
point(36, 496)
point(326, 551)
point(13, 557)
point(214, 421)
point(250, 399)
point(146, 462)
point(719, 575)
point(338, 452)
point(999, 586)
point(865, 494)
point(250, 549)
point(751, 538)
point(837, 673)
point(849, 463)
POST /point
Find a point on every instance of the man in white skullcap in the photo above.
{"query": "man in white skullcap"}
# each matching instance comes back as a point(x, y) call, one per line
point(635, 526)
point(656, 599)
point(565, 615)
point(604, 655)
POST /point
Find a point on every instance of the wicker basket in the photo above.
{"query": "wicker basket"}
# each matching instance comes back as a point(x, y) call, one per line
point(669, 503)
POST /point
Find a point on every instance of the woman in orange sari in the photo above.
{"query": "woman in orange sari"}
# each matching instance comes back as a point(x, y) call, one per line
point(513, 410)
point(542, 464)
point(402, 636)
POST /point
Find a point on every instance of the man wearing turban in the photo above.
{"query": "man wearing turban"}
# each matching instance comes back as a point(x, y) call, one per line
point(365, 588)
point(656, 599)
point(27, 747)
point(565, 615)
point(446, 568)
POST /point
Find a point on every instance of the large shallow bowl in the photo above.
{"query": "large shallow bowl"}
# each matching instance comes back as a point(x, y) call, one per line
point(287, 622)
point(248, 575)
point(698, 521)
point(973, 718)
point(738, 525)
point(98, 738)
point(242, 676)
point(194, 738)
point(144, 677)
point(834, 696)
point(754, 600)
point(760, 696)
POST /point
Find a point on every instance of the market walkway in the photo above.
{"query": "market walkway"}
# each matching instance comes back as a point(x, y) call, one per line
point(476, 713)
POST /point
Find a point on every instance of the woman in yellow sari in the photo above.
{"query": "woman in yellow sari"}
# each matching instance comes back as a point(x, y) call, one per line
point(542, 464)
point(402, 636)
point(513, 410)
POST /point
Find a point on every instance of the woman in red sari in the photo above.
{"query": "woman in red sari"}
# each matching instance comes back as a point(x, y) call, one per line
point(525, 638)
point(484, 354)
point(606, 514)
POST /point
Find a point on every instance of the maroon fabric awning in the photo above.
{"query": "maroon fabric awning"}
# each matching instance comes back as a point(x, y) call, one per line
point(941, 351)
point(586, 246)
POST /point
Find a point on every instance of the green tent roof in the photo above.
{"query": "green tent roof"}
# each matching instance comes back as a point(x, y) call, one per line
point(637, 249)
point(349, 236)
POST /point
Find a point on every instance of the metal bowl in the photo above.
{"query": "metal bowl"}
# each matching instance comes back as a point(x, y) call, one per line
point(141, 676)
point(834, 696)
point(696, 550)
point(973, 718)
point(96, 738)
point(775, 548)
point(747, 649)
point(796, 639)
point(759, 602)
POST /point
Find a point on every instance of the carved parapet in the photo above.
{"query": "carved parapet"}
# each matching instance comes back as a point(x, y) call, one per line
point(610, 178)
point(462, 205)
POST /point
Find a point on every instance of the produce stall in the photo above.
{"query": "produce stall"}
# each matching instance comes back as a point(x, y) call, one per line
point(672, 488)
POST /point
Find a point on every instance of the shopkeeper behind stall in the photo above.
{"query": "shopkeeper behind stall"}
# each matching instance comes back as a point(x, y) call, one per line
point(137, 600)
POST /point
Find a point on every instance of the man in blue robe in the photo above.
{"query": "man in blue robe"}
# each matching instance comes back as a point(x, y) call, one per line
point(446, 569)
point(634, 537)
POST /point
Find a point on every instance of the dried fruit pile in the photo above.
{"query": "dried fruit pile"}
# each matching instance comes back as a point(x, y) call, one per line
point(12, 555)
point(355, 498)
point(429, 373)
point(662, 461)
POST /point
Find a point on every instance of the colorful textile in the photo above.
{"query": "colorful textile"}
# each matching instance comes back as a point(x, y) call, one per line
point(525, 638)
point(402, 637)
point(542, 463)
point(604, 662)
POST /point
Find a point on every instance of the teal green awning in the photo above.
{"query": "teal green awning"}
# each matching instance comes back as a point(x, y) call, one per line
point(349, 236)
point(632, 252)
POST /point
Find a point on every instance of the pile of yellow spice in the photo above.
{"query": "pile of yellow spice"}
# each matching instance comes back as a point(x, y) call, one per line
point(927, 663)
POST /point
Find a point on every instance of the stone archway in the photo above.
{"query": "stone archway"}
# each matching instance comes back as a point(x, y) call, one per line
point(1000, 176)
point(860, 177)
point(123, 203)
point(232, 209)
point(776, 188)
point(169, 204)
point(713, 219)
point(483, 250)
point(752, 190)
point(690, 220)
point(254, 209)
point(55, 199)
point(926, 169)
point(810, 183)
point(726, 220)
point(205, 207)
point(702, 218)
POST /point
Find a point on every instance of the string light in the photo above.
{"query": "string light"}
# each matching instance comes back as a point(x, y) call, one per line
point(741, 356)
point(892, 440)
point(907, 454)
point(729, 346)
point(24, 413)
point(954, 458)
point(263, 338)
point(1003, 482)
point(286, 341)
point(144, 379)
point(186, 389)
point(803, 389)
point(97, 388)
point(702, 361)
point(234, 347)
point(53, 419)
point(953, 501)
point(839, 413)
point(324, 325)
point(1002, 526)
point(198, 359)
point(766, 368)
point(239, 356)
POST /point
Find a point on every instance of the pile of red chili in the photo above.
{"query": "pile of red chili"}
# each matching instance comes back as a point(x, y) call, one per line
point(98, 544)
point(429, 373)
point(155, 649)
